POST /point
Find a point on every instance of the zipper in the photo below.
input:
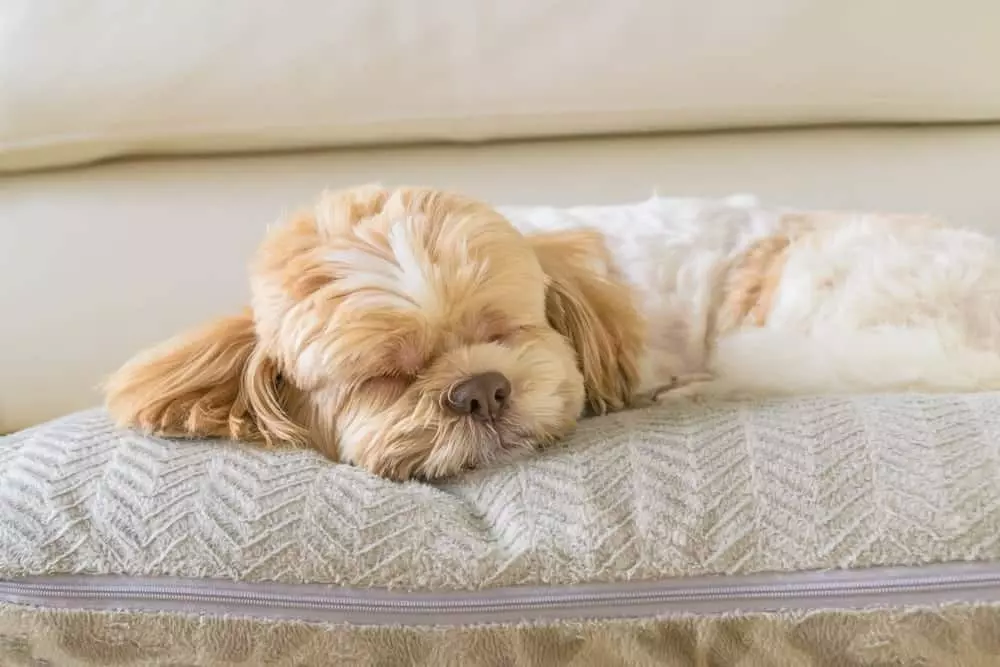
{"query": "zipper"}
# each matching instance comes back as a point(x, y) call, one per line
point(954, 582)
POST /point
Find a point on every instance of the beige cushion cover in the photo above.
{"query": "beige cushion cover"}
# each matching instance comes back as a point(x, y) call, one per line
point(86, 80)
point(665, 492)
point(723, 489)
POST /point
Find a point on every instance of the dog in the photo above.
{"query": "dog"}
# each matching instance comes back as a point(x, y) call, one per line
point(418, 333)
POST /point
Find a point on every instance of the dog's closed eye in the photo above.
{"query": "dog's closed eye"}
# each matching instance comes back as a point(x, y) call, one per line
point(388, 381)
point(501, 331)
point(498, 336)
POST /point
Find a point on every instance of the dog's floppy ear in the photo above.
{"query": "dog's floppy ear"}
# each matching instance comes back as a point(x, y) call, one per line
point(588, 304)
point(213, 381)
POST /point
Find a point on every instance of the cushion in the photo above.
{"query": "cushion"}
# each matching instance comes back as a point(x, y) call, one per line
point(107, 78)
point(774, 509)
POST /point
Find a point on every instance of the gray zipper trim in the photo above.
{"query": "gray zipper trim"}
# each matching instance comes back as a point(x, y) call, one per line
point(954, 582)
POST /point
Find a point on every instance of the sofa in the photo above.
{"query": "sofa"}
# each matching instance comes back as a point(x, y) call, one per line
point(144, 149)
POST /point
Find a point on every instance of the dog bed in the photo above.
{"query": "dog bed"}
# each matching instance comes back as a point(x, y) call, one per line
point(855, 530)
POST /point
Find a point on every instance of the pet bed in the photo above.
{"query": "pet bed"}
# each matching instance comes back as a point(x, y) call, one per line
point(860, 530)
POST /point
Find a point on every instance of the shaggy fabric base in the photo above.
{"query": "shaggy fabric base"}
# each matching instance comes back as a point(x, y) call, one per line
point(963, 635)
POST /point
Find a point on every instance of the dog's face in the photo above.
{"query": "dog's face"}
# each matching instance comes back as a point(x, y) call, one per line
point(414, 333)
point(415, 326)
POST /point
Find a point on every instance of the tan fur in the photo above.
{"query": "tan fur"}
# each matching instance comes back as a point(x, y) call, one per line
point(210, 382)
point(593, 310)
point(752, 279)
point(368, 309)
point(750, 285)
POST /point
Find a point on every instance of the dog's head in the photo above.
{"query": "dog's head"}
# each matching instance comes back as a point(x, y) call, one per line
point(412, 332)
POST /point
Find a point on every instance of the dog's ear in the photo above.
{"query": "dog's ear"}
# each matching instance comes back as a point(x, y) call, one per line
point(588, 304)
point(214, 381)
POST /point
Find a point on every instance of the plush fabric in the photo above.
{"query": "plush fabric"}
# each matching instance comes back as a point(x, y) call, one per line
point(964, 635)
point(107, 78)
point(668, 491)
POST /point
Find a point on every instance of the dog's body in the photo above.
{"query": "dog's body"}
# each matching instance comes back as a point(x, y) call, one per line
point(417, 333)
point(750, 301)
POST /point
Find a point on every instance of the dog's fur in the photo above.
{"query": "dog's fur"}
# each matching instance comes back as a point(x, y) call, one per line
point(368, 309)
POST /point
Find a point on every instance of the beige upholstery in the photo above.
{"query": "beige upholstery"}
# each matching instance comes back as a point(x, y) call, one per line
point(100, 262)
point(99, 78)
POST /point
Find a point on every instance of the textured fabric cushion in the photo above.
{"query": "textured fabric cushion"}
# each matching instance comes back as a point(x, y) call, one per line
point(669, 491)
point(88, 80)
point(665, 492)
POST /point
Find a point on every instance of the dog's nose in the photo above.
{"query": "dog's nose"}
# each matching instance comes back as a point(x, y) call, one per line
point(483, 396)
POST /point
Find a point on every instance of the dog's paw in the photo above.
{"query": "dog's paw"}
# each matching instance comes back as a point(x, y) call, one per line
point(686, 387)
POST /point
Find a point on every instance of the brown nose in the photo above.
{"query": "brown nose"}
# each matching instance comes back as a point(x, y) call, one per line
point(483, 396)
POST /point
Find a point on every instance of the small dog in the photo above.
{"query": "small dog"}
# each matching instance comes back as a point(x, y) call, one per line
point(417, 333)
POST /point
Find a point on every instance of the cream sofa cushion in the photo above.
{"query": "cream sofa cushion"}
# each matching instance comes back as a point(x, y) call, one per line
point(88, 80)
point(104, 261)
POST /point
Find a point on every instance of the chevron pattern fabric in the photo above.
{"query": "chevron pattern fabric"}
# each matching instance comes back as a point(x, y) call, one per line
point(666, 491)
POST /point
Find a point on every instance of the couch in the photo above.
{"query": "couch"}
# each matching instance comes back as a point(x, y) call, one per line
point(145, 147)
point(171, 136)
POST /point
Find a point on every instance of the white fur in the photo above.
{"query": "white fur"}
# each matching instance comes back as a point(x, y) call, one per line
point(867, 303)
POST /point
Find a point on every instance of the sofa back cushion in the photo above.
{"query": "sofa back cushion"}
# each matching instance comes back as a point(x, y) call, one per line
point(97, 79)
